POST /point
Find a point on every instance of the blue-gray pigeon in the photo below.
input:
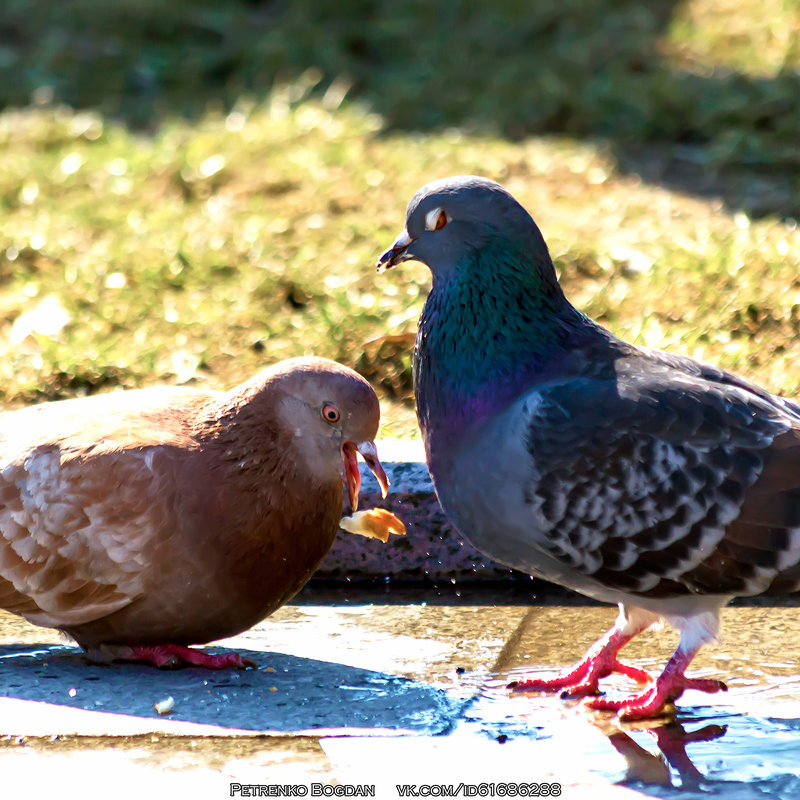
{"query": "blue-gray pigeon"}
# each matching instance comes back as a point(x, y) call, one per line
point(631, 475)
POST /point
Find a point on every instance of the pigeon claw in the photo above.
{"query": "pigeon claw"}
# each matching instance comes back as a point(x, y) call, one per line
point(580, 690)
point(174, 656)
point(583, 679)
point(656, 700)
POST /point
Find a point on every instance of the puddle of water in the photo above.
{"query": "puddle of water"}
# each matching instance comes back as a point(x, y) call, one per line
point(712, 749)
point(743, 743)
point(383, 664)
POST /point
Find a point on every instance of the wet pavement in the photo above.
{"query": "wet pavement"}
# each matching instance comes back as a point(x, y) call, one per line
point(362, 687)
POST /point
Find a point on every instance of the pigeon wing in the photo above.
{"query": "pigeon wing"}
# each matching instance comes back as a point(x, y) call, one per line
point(77, 532)
point(662, 483)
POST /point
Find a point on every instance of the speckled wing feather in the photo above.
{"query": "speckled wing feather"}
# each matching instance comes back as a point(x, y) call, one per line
point(77, 517)
point(660, 482)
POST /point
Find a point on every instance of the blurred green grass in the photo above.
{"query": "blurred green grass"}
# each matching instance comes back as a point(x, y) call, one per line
point(191, 190)
point(714, 83)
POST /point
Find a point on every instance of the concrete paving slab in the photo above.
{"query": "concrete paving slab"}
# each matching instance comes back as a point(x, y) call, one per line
point(157, 766)
point(362, 669)
point(403, 693)
point(365, 671)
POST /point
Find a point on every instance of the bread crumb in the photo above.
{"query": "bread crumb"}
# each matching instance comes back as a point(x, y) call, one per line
point(164, 706)
point(374, 523)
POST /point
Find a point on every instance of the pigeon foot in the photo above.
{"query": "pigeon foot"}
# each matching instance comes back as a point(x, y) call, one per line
point(653, 701)
point(174, 656)
point(583, 679)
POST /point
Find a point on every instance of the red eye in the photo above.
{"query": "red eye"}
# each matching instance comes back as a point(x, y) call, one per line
point(441, 221)
point(330, 413)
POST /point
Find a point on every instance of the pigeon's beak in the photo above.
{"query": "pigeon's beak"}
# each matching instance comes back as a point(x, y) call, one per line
point(396, 253)
point(352, 477)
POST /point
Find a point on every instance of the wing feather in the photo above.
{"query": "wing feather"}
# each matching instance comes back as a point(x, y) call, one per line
point(663, 483)
point(81, 505)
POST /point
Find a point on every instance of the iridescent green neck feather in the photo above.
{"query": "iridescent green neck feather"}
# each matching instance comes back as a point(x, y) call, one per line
point(493, 325)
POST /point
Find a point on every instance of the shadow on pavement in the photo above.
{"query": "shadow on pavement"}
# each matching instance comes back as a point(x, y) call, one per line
point(301, 694)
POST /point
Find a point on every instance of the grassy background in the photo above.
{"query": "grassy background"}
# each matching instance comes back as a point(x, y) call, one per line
point(191, 190)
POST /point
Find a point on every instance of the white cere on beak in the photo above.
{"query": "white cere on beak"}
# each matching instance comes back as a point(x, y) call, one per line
point(435, 219)
point(367, 449)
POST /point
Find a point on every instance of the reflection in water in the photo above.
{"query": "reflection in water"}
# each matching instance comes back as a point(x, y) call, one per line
point(745, 745)
point(671, 739)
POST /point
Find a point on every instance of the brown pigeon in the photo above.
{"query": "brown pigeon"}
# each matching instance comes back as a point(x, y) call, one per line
point(141, 522)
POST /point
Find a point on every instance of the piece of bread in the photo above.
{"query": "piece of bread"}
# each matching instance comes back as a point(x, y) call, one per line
point(374, 523)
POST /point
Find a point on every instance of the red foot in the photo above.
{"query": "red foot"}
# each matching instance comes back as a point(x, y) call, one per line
point(599, 662)
point(170, 656)
point(669, 686)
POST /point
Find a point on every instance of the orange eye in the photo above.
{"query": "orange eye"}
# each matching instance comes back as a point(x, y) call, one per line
point(330, 413)
point(436, 219)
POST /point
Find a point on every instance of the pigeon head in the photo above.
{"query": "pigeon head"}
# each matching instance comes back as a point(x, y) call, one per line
point(328, 411)
point(495, 319)
point(450, 222)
